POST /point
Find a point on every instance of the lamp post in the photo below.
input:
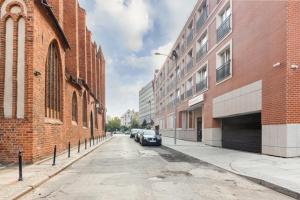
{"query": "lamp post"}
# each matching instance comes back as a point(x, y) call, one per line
point(150, 113)
point(174, 58)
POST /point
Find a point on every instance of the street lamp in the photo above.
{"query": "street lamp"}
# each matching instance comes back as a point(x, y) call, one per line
point(174, 58)
point(150, 113)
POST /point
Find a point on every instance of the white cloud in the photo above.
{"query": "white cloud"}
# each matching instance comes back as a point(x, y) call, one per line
point(120, 27)
point(129, 20)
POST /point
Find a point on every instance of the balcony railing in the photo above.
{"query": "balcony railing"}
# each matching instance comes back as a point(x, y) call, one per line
point(182, 73)
point(189, 66)
point(224, 71)
point(190, 37)
point(201, 52)
point(189, 93)
point(202, 85)
point(224, 28)
point(182, 97)
point(202, 19)
point(182, 48)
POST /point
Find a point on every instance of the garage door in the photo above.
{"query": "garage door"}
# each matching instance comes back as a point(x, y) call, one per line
point(242, 133)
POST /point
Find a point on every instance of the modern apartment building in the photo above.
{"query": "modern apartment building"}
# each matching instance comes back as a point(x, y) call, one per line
point(237, 80)
point(146, 104)
point(52, 79)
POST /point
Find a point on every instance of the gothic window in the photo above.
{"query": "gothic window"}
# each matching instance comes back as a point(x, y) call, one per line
point(84, 110)
point(13, 16)
point(53, 83)
point(96, 118)
point(74, 108)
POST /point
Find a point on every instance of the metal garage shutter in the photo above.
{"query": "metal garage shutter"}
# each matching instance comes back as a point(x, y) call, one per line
point(242, 133)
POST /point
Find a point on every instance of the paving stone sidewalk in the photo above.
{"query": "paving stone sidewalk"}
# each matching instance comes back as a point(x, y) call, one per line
point(281, 174)
point(36, 174)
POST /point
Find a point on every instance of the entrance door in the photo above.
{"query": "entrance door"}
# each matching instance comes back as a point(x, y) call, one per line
point(92, 125)
point(199, 129)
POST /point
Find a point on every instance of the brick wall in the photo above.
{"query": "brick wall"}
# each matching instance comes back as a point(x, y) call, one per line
point(293, 58)
point(16, 134)
point(82, 44)
point(37, 135)
point(71, 30)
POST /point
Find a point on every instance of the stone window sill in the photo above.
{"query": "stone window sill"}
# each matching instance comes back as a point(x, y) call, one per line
point(53, 121)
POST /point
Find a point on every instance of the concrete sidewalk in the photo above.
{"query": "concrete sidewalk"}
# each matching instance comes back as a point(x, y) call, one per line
point(281, 174)
point(38, 173)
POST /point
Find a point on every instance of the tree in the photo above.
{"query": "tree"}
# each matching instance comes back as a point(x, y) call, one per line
point(144, 124)
point(134, 123)
point(114, 124)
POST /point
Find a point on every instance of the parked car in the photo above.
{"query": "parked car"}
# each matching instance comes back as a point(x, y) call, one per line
point(150, 137)
point(138, 135)
point(127, 132)
point(133, 132)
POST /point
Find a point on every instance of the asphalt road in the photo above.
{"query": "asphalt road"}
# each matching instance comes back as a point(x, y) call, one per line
point(122, 169)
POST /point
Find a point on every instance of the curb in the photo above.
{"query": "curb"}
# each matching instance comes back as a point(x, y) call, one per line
point(262, 182)
point(39, 183)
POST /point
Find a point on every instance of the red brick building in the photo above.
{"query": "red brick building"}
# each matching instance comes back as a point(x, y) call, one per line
point(52, 78)
point(237, 79)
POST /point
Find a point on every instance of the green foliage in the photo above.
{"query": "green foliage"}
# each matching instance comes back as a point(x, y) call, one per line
point(135, 123)
point(113, 124)
point(124, 128)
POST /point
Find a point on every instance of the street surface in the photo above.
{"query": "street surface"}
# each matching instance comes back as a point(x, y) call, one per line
point(123, 170)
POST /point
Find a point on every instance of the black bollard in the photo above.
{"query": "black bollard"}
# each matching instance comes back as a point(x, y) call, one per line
point(90, 142)
point(20, 166)
point(85, 143)
point(54, 156)
point(69, 150)
point(79, 146)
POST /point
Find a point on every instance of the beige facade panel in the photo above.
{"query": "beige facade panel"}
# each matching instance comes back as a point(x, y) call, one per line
point(247, 99)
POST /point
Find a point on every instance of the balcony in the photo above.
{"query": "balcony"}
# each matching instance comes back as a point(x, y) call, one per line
point(223, 72)
point(182, 73)
point(201, 52)
point(189, 93)
point(224, 28)
point(171, 105)
point(182, 97)
point(190, 38)
point(189, 66)
point(202, 85)
point(202, 19)
point(182, 48)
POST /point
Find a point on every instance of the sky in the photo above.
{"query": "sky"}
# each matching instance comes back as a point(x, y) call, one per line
point(130, 32)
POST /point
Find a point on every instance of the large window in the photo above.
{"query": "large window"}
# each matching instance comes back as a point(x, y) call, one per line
point(189, 88)
point(224, 23)
point(224, 63)
point(201, 79)
point(53, 83)
point(202, 47)
point(84, 110)
point(74, 108)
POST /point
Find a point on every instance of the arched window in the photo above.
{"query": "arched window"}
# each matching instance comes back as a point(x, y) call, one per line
point(96, 118)
point(12, 16)
point(74, 108)
point(53, 83)
point(84, 110)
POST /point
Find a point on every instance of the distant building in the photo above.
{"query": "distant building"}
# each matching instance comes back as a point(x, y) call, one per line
point(146, 104)
point(127, 117)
